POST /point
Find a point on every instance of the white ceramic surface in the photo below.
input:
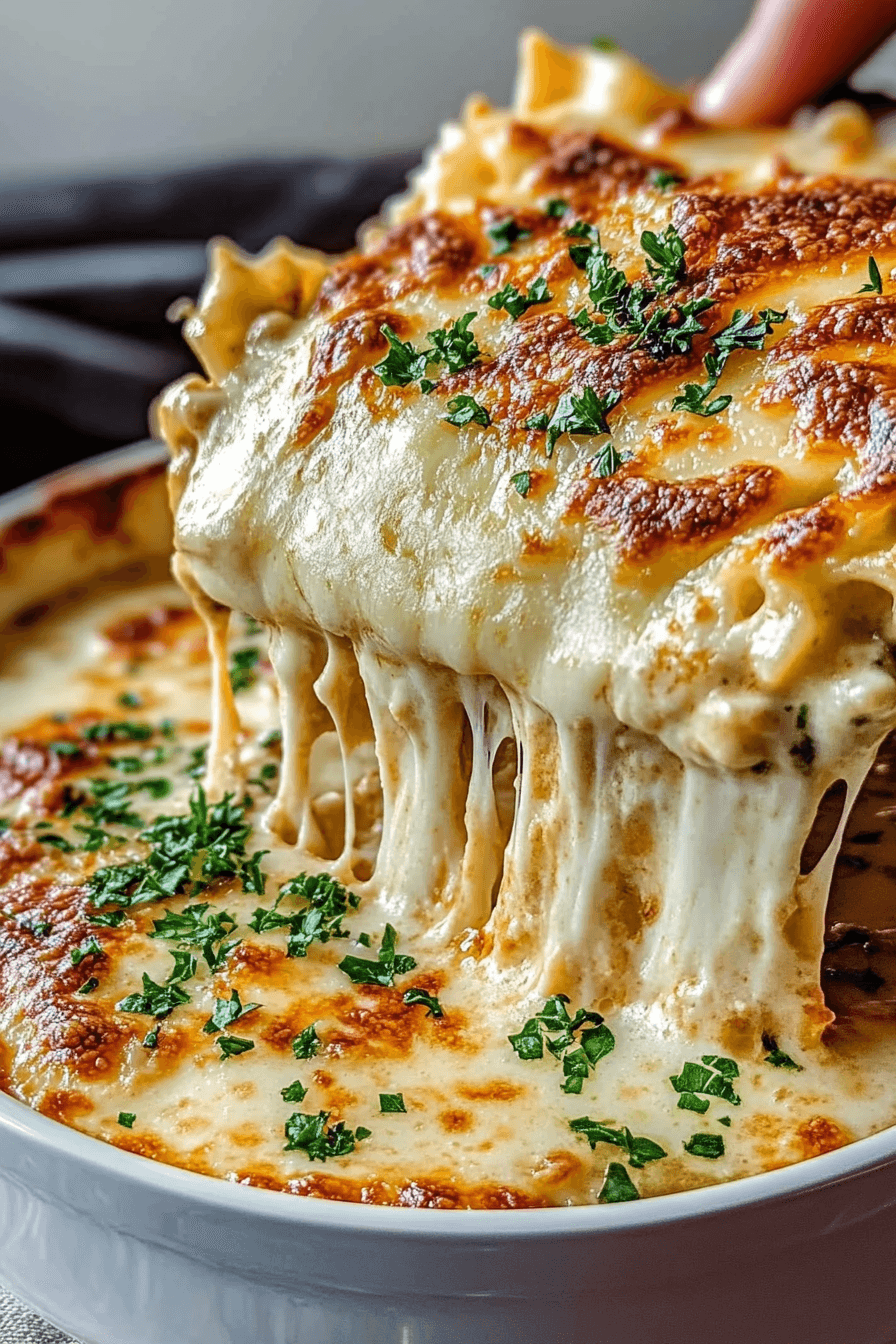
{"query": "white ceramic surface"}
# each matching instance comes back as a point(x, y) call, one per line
point(117, 1249)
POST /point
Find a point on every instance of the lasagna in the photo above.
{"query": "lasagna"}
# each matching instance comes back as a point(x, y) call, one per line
point(544, 552)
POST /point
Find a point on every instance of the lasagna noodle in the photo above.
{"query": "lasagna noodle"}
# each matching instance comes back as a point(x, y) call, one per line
point(652, 645)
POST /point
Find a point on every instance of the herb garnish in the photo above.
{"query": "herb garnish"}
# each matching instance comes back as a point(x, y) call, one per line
point(705, 1145)
point(505, 234)
point(429, 1001)
point(618, 1187)
point(640, 1151)
point(123, 731)
point(307, 1043)
point(128, 700)
point(362, 971)
point(89, 949)
point(556, 207)
point(582, 413)
point(875, 280)
point(604, 44)
point(455, 345)
point(328, 903)
point(745, 331)
point(403, 364)
point(151, 1039)
point(608, 461)
point(596, 1039)
point(712, 1078)
point(662, 179)
point(200, 926)
point(295, 1092)
point(465, 410)
point(522, 482)
point(233, 1045)
point(516, 303)
point(89, 985)
point(228, 1011)
point(243, 663)
point(155, 1001)
point(127, 1118)
point(392, 1103)
point(312, 1135)
point(777, 1057)
point(666, 257)
point(66, 749)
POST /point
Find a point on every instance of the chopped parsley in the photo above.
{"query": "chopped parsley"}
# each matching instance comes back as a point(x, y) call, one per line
point(327, 904)
point(272, 739)
point(88, 949)
point(522, 482)
point(618, 1186)
point(128, 700)
point(745, 331)
point(777, 1057)
point(875, 280)
point(429, 1001)
point(505, 234)
point(604, 44)
point(662, 179)
point(724, 1120)
point(640, 1151)
point(389, 963)
point(578, 1056)
point(556, 207)
point(705, 1145)
point(608, 461)
point(57, 841)
point(392, 1103)
point(151, 1039)
point(121, 731)
point(307, 1044)
point(89, 985)
point(66, 749)
point(202, 927)
point(455, 345)
point(712, 1078)
point(403, 364)
point(233, 1045)
point(312, 1135)
point(464, 410)
point(243, 665)
point(579, 413)
point(155, 1000)
point(295, 1092)
point(228, 1011)
point(127, 1118)
point(665, 252)
point(514, 302)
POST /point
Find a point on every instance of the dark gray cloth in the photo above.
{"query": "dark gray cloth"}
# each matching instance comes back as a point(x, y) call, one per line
point(88, 270)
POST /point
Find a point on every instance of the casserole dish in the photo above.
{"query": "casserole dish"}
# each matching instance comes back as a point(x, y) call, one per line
point(117, 1249)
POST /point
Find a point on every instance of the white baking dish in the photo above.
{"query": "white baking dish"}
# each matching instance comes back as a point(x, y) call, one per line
point(117, 1249)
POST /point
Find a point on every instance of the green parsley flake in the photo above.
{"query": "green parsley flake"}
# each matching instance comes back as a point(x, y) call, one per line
point(516, 303)
point(151, 1039)
point(582, 413)
point(505, 234)
point(875, 280)
point(202, 927)
point(89, 985)
point(88, 949)
point(522, 482)
point(128, 700)
point(640, 1150)
point(604, 44)
point(66, 749)
point(388, 964)
point(578, 1055)
point(666, 257)
point(109, 919)
point(392, 1103)
point(556, 207)
point(228, 1011)
point(608, 461)
point(705, 1145)
point(662, 179)
point(295, 1092)
point(155, 1000)
point(429, 1001)
point(319, 1141)
point(712, 1078)
point(57, 841)
point(122, 731)
point(327, 904)
point(465, 410)
point(777, 1057)
point(745, 331)
point(618, 1186)
point(243, 665)
point(233, 1045)
point(307, 1044)
point(127, 1118)
point(403, 364)
point(455, 345)
point(724, 1120)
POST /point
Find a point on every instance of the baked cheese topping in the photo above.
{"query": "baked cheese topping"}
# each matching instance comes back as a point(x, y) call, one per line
point(565, 505)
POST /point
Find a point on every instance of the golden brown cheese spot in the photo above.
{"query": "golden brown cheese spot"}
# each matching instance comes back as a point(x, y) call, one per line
point(67, 1106)
point(438, 1192)
point(495, 1090)
point(651, 515)
point(150, 632)
point(381, 1023)
point(101, 509)
point(738, 241)
point(340, 351)
point(805, 536)
point(592, 165)
point(863, 319)
point(820, 1135)
point(456, 1121)
point(837, 402)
